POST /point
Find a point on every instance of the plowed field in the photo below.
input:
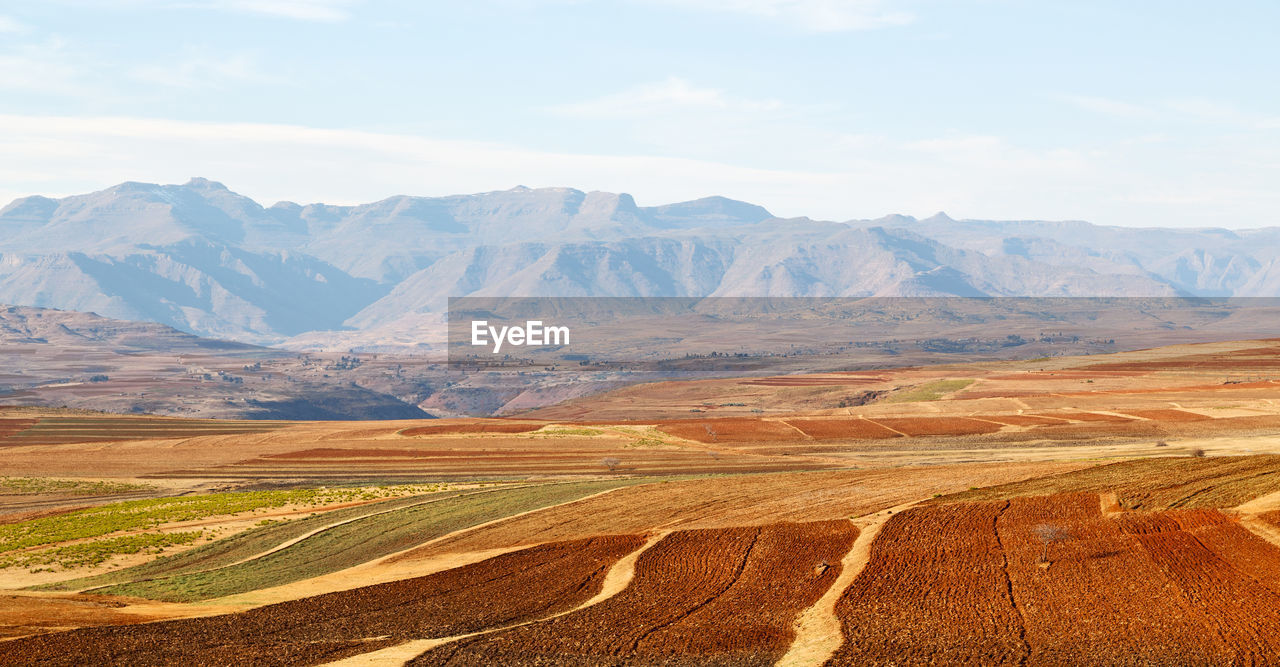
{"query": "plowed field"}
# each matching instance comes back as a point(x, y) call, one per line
point(726, 596)
point(1053, 580)
point(511, 588)
point(1158, 483)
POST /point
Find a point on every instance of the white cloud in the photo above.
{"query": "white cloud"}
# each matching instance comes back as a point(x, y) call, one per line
point(8, 24)
point(197, 71)
point(814, 15)
point(1107, 106)
point(305, 10)
point(329, 11)
point(673, 94)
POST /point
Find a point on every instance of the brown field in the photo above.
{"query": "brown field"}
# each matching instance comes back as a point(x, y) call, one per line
point(978, 582)
point(726, 596)
point(479, 426)
point(1099, 510)
point(530, 584)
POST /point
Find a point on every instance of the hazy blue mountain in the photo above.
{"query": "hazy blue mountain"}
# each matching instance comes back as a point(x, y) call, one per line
point(206, 260)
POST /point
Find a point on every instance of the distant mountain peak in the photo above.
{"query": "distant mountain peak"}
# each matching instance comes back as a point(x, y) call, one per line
point(939, 217)
point(199, 182)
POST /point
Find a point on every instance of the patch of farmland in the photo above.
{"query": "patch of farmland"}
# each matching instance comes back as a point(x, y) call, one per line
point(358, 542)
point(1154, 483)
point(723, 596)
point(455, 428)
point(738, 501)
point(934, 591)
point(921, 426)
point(1053, 580)
point(847, 428)
point(731, 429)
point(1020, 420)
point(1169, 415)
point(1085, 416)
point(238, 547)
point(810, 381)
point(510, 588)
point(71, 430)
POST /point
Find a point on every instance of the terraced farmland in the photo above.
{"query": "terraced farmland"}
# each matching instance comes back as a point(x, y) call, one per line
point(725, 596)
point(1053, 580)
point(70, 430)
point(507, 589)
point(356, 542)
point(1152, 484)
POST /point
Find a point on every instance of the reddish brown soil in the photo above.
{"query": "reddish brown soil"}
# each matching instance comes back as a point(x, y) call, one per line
point(730, 429)
point(727, 596)
point(491, 426)
point(1020, 420)
point(1086, 417)
point(510, 588)
point(803, 381)
point(1052, 580)
point(1168, 415)
point(847, 428)
point(917, 426)
point(9, 427)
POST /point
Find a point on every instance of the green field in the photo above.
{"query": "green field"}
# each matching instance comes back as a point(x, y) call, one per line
point(360, 541)
point(931, 391)
point(238, 547)
point(30, 486)
point(151, 513)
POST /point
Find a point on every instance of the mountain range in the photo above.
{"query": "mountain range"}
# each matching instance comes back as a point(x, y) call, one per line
point(205, 260)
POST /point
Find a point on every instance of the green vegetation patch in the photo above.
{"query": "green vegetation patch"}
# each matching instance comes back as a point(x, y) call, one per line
point(238, 547)
point(96, 552)
point(361, 541)
point(154, 512)
point(931, 391)
point(31, 486)
point(564, 430)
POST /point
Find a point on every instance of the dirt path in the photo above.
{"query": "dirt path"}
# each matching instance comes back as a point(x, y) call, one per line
point(818, 631)
point(618, 578)
point(1248, 513)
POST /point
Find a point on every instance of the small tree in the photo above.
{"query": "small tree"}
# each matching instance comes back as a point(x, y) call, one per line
point(1196, 452)
point(1049, 534)
point(610, 462)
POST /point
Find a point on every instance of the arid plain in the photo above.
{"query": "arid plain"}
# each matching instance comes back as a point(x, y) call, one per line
point(1106, 509)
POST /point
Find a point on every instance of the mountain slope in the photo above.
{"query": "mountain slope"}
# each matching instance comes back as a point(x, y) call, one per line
point(206, 260)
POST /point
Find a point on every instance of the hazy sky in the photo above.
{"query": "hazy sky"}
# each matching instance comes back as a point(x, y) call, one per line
point(1159, 112)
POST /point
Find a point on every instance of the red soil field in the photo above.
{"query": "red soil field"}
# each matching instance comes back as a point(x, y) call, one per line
point(934, 591)
point(1049, 376)
point(1085, 416)
point(849, 428)
point(1168, 415)
point(454, 428)
point(511, 588)
point(731, 429)
point(1020, 420)
point(726, 596)
point(10, 427)
point(917, 426)
point(1052, 580)
point(802, 381)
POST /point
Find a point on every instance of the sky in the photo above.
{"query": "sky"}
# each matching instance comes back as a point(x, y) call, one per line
point(1140, 113)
